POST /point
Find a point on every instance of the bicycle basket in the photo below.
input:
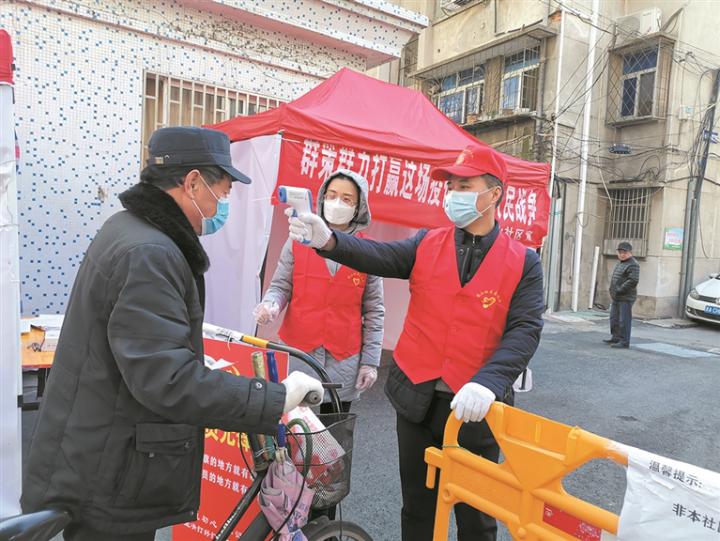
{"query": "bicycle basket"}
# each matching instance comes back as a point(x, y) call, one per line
point(324, 457)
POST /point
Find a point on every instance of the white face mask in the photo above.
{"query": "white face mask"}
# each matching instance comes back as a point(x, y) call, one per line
point(338, 212)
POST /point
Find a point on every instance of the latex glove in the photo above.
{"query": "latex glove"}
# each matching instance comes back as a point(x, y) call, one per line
point(472, 402)
point(308, 227)
point(266, 312)
point(297, 385)
point(367, 376)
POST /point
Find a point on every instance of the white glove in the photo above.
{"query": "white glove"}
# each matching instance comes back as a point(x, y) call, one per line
point(367, 375)
point(297, 385)
point(308, 227)
point(472, 402)
point(266, 312)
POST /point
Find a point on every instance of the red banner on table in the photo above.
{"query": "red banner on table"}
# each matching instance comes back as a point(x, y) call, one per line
point(402, 192)
point(226, 474)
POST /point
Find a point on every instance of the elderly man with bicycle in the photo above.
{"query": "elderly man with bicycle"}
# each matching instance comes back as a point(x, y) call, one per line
point(473, 323)
point(119, 440)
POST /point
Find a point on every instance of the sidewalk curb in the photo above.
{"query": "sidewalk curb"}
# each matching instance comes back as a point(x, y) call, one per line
point(671, 323)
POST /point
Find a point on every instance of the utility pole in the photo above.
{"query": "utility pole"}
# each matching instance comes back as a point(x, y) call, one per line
point(552, 263)
point(589, 74)
point(692, 205)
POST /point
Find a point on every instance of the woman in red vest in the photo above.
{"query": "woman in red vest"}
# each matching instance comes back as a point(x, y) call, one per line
point(334, 312)
point(473, 323)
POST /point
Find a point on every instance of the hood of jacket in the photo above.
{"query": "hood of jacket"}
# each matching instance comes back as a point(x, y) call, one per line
point(362, 215)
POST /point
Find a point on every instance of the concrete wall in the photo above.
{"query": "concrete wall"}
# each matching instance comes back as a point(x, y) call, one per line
point(673, 138)
point(474, 26)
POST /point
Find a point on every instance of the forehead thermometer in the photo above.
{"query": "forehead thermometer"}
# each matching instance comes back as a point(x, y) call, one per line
point(299, 199)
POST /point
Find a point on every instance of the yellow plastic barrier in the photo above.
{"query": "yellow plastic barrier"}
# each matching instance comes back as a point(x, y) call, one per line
point(525, 492)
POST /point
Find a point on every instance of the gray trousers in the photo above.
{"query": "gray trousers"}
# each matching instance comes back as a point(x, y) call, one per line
point(621, 321)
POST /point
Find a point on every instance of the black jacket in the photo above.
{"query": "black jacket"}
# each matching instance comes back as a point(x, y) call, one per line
point(524, 319)
point(624, 280)
point(119, 440)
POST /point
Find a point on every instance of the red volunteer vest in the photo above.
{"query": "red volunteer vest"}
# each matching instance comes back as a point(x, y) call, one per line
point(324, 310)
point(451, 331)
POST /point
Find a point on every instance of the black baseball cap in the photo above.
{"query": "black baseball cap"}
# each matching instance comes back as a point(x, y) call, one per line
point(187, 145)
point(625, 246)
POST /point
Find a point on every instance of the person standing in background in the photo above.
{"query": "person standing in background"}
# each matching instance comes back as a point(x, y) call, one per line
point(623, 291)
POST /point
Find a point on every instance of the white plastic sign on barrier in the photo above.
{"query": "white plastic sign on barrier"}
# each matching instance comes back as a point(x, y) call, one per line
point(667, 500)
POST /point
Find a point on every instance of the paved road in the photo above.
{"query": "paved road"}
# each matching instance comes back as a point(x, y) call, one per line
point(663, 403)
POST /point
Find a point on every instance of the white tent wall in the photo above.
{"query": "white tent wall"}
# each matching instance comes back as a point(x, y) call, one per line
point(397, 294)
point(10, 373)
point(237, 251)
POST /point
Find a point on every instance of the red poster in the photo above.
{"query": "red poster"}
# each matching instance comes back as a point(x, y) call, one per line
point(226, 475)
point(402, 192)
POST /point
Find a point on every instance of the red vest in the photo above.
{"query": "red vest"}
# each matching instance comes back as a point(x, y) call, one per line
point(324, 310)
point(451, 331)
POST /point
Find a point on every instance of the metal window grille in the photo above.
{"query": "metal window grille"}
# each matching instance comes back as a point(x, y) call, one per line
point(638, 83)
point(170, 101)
point(462, 94)
point(519, 82)
point(628, 218)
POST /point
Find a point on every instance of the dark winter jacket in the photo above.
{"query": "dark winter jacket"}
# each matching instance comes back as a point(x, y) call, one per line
point(624, 280)
point(119, 440)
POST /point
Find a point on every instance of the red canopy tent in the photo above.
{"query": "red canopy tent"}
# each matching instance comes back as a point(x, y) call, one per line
point(6, 58)
point(389, 134)
point(392, 135)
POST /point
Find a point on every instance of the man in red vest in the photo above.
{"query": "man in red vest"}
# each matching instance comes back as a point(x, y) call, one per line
point(473, 323)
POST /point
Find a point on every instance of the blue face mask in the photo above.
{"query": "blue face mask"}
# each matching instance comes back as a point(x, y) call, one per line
point(215, 223)
point(461, 207)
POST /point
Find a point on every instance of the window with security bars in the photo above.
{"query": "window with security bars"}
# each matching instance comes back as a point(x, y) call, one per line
point(638, 82)
point(461, 94)
point(628, 219)
point(519, 82)
point(170, 101)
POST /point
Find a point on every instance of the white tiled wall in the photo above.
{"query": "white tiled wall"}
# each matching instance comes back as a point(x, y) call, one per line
point(78, 94)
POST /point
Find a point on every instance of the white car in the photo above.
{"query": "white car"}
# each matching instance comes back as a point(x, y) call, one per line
point(703, 303)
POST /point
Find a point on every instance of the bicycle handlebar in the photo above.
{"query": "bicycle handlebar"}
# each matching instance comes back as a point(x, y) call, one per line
point(313, 398)
point(229, 335)
point(43, 524)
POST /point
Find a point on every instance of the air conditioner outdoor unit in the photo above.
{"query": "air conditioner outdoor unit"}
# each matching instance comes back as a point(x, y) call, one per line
point(453, 5)
point(639, 24)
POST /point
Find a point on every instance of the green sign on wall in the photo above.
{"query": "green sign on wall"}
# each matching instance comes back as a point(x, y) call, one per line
point(673, 238)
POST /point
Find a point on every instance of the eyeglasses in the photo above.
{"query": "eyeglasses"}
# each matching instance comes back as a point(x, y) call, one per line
point(331, 196)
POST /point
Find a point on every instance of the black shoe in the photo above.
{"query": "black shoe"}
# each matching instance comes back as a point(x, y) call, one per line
point(620, 345)
point(611, 341)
